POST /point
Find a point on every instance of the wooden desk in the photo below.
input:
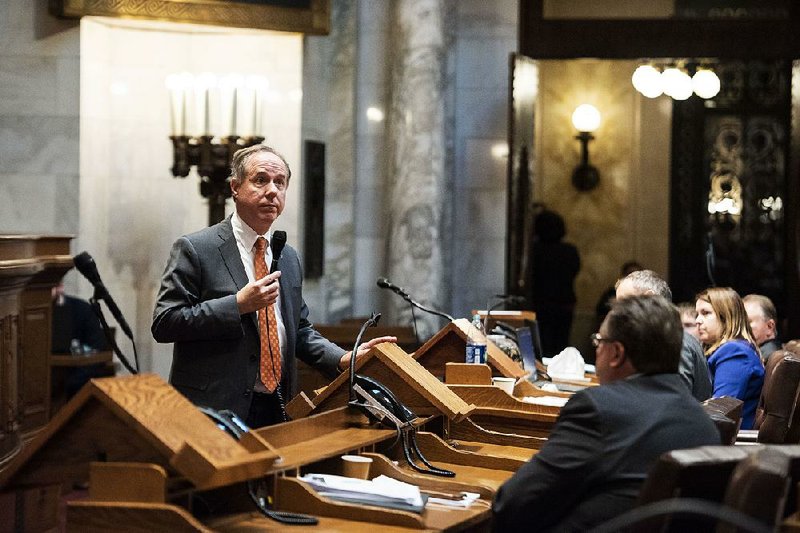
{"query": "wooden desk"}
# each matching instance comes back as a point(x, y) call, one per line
point(158, 449)
point(18, 265)
point(59, 360)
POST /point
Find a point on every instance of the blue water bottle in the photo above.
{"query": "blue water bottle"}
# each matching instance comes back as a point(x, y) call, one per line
point(476, 342)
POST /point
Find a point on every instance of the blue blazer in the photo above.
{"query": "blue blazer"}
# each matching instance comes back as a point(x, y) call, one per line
point(216, 352)
point(737, 370)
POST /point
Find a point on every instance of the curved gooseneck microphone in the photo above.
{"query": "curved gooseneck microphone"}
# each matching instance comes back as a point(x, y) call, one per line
point(371, 322)
point(384, 283)
point(276, 244)
point(86, 266)
point(380, 404)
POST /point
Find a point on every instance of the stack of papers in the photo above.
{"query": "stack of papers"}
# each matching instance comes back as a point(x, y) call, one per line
point(466, 499)
point(382, 491)
point(555, 401)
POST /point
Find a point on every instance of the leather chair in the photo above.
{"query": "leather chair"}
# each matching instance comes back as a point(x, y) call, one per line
point(777, 418)
point(713, 486)
point(726, 413)
point(792, 346)
point(758, 488)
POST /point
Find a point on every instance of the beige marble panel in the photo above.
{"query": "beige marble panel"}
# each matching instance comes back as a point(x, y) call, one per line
point(622, 218)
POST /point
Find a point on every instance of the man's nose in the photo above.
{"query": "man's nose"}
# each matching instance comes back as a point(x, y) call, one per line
point(271, 189)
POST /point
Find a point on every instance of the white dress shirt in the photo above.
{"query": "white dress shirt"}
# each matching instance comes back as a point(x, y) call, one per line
point(246, 242)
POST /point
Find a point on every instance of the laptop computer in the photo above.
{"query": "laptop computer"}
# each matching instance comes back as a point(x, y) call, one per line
point(530, 348)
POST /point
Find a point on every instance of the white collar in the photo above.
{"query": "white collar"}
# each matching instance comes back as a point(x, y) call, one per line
point(245, 234)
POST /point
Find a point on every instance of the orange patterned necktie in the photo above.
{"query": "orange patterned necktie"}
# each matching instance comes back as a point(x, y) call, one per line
point(268, 328)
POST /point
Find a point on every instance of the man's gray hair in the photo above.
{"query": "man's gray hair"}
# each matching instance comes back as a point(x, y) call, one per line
point(766, 305)
point(648, 282)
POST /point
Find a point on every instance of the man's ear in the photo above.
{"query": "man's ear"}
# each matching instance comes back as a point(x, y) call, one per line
point(619, 356)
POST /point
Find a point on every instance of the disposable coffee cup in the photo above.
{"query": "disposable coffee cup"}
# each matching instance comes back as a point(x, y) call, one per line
point(507, 384)
point(356, 466)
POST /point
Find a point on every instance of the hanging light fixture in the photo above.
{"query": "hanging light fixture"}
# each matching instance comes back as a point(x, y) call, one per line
point(677, 83)
point(651, 81)
point(705, 83)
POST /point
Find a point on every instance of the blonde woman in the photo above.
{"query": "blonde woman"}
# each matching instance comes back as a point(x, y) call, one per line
point(733, 357)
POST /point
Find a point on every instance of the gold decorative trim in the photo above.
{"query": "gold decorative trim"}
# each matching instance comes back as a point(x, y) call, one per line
point(314, 19)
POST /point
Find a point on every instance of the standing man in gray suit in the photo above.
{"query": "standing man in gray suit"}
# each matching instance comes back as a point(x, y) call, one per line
point(236, 327)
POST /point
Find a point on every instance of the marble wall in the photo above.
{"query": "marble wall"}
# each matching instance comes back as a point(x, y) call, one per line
point(39, 118)
point(438, 73)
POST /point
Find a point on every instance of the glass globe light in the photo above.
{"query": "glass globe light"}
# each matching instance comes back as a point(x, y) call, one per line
point(586, 118)
point(647, 80)
point(705, 83)
point(677, 83)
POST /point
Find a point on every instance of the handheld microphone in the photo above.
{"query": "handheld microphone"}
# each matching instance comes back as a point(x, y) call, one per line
point(276, 244)
point(86, 266)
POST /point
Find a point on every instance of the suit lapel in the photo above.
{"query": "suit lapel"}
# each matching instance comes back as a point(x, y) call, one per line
point(231, 257)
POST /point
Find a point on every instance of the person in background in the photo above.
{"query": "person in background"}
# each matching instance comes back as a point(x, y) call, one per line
point(693, 367)
point(607, 298)
point(555, 264)
point(733, 357)
point(76, 330)
point(607, 438)
point(237, 328)
point(689, 318)
point(763, 323)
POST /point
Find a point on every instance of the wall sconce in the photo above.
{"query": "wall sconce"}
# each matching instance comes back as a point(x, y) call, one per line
point(204, 109)
point(586, 119)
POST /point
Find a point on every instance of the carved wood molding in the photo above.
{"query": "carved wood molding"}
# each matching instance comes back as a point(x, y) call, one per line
point(312, 17)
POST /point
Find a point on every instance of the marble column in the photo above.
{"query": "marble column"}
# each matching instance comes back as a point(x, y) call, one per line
point(417, 163)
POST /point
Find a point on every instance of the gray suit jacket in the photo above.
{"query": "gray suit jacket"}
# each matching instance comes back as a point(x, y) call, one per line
point(216, 353)
point(693, 368)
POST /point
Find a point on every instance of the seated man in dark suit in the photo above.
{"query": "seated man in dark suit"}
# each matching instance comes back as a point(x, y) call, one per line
point(607, 437)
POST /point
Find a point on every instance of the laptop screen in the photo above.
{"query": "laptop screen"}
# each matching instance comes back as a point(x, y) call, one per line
point(525, 342)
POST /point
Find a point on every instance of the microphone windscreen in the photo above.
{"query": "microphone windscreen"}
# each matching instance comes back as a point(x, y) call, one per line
point(277, 244)
point(383, 283)
point(86, 266)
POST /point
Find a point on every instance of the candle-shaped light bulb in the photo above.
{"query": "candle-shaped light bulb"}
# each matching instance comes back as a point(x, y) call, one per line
point(233, 113)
